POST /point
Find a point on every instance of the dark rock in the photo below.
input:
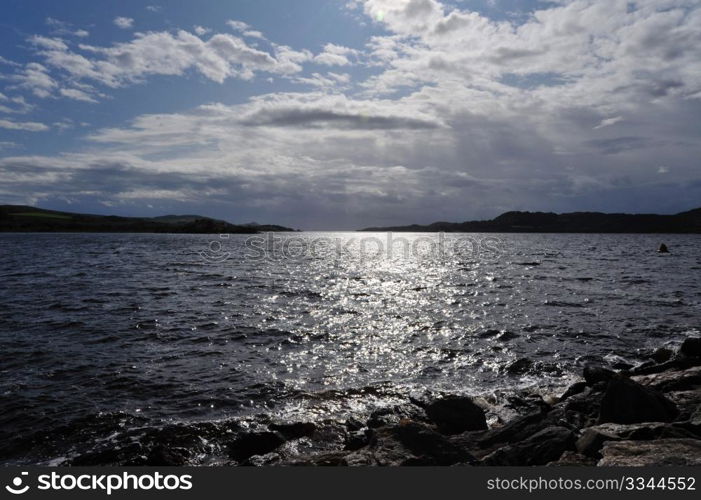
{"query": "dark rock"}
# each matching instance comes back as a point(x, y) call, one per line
point(574, 389)
point(516, 430)
point(295, 430)
point(520, 367)
point(663, 249)
point(662, 355)
point(358, 439)
point(691, 347)
point(428, 444)
point(353, 424)
point(393, 415)
point(267, 460)
point(255, 443)
point(592, 440)
point(543, 447)
point(572, 459)
point(672, 380)
point(594, 374)
point(456, 414)
point(661, 452)
point(626, 402)
point(695, 418)
point(162, 456)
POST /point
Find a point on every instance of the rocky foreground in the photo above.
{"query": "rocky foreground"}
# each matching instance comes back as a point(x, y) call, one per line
point(645, 415)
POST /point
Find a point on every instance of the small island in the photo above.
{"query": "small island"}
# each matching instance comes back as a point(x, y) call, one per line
point(26, 219)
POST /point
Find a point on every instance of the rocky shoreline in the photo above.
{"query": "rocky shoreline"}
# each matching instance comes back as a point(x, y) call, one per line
point(649, 414)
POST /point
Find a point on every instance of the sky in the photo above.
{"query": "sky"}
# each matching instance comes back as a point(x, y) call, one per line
point(324, 114)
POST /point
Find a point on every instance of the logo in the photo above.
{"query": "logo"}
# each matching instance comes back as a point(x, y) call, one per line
point(16, 488)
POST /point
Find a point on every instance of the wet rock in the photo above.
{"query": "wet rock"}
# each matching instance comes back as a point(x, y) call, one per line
point(516, 430)
point(358, 439)
point(626, 402)
point(574, 389)
point(414, 443)
point(661, 452)
point(393, 415)
point(594, 374)
point(592, 440)
point(662, 355)
point(294, 430)
point(267, 460)
point(672, 380)
point(572, 459)
point(255, 443)
point(580, 410)
point(695, 418)
point(162, 456)
point(520, 367)
point(691, 347)
point(427, 443)
point(456, 414)
point(337, 459)
point(353, 424)
point(542, 448)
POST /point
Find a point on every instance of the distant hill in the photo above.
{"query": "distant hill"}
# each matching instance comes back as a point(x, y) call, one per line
point(577, 222)
point(17, 218)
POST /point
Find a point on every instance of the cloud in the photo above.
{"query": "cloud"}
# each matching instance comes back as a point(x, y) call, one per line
point(26, 126)
point(335, 55)
point(124, 23)
point(218, 58)
point(607, 122)
point(245, 29)
point(63, 28)
point(77, 95)
point(446, 114)
point(35, 77)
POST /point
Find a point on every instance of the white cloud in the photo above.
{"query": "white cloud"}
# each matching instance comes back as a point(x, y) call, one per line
point(607, 122)
point(245, 29)
point(26, 126)
point(200, 30)
point(464, 116)
point(124, 23)
point(35, 77)
point(77, 94)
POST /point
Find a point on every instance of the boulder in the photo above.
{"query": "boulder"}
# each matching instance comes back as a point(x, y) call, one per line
point(672, 380)
point(294, 430)
point(594, 374)
point(572, 459)
point(255, 443)
point(390, 416)
point(429, 445)
point(593, 438)
point(691, 347)
point(662, 355)
point(456, 414)
point(661, 452)
point(573, 390)
point(626, 402)
point(542, 448)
